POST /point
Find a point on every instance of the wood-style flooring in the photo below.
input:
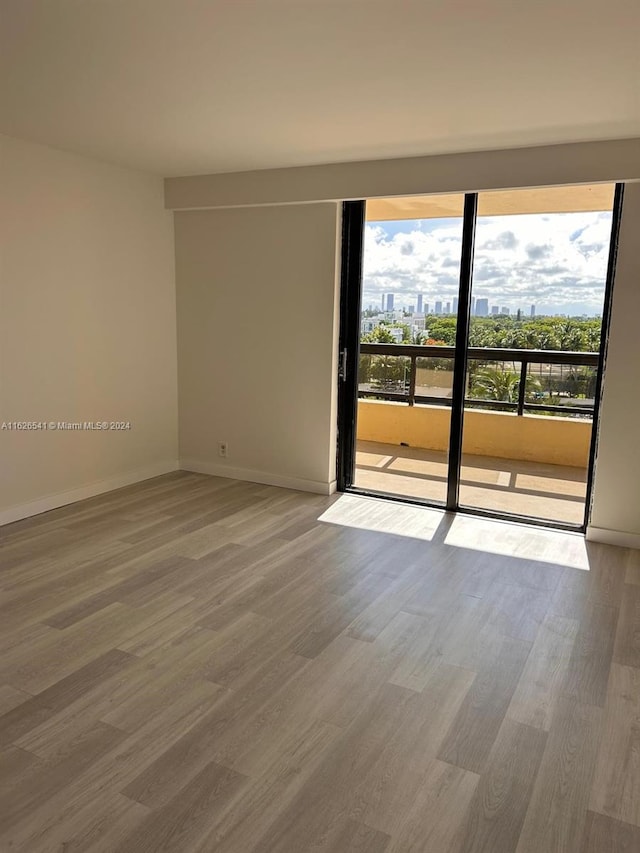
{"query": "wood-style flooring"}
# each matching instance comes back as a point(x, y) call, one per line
point(194, 664)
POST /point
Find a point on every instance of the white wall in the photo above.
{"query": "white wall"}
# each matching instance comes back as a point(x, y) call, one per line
point(87, 326)
point(615, 512)
point(257, 342)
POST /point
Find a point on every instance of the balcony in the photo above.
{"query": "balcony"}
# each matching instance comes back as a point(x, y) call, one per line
point(525, 450)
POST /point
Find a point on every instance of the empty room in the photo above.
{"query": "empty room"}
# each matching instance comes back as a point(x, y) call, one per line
point(319, 405)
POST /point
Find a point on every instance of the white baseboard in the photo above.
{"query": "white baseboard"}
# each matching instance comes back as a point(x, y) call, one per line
point(613, 537)
point(15, 513)
point(263, 477)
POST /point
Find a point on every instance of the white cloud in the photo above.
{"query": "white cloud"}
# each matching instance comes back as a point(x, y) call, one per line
point(557, 261)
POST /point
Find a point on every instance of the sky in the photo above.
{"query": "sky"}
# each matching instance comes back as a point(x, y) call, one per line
point(556, 261)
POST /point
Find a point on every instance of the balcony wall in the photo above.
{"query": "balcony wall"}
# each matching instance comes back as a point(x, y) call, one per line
point(533, 438)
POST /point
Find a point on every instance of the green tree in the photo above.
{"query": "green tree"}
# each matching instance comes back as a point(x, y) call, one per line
point(507, 332)
point(388, 372)
point(570, 335)
point(490, 383)
point(380, 335)
point(592, 336)
point(442, 328)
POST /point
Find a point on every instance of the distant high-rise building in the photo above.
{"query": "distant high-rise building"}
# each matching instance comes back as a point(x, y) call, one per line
point(455, 304)
point(447, 308)
point(389, 301)
point(419, 303)
point(482, 307)
point(473, 306)
point(495, 309)
point(504, 311)
point(412, 309)
point(532, 311)
point(438, 308)
point(426, 307)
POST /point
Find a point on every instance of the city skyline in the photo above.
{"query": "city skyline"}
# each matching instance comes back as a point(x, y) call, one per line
point(481, 307)
point(556, 261)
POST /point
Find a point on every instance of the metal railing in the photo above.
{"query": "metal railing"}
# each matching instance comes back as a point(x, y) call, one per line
point(524, 357)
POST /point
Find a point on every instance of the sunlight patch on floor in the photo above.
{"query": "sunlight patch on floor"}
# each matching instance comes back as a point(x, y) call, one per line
point(510, 539)
point(503, 538)
point(382, 516)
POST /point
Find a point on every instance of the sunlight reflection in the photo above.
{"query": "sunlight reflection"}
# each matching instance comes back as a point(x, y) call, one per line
point(510, 539)
point(503, 538)
point(382, 516)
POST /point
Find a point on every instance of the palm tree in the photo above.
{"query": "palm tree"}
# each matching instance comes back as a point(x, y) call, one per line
point(592, 339)
point(489, 383)
point(548, 339)
point(570, 335)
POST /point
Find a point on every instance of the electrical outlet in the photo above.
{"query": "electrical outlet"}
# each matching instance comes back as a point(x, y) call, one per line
point(222, 448)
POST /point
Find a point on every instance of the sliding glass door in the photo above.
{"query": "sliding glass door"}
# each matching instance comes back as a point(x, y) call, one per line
point(472, 336)
point(407, 345)
point(538, 302)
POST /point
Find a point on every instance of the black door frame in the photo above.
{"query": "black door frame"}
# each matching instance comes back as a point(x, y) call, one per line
point(349, 339)
point(353, 219)
point(618, 199)
point(460, 358)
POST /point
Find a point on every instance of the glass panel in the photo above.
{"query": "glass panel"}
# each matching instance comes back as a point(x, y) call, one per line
point(493, 385)
point(411, 271)
point(434, 379)
point(570, 387)
point(538, 285)
point(381, 375)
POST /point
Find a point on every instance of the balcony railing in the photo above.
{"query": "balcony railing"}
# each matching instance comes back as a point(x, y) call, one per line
point(531, 394)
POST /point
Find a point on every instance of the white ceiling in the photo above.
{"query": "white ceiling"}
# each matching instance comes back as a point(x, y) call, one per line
point(192, 86)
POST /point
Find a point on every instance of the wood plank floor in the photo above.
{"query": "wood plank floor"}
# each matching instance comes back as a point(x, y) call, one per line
point(197, 664)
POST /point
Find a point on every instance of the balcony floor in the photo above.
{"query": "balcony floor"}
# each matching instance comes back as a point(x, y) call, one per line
point(552, 492)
